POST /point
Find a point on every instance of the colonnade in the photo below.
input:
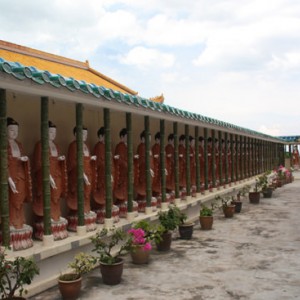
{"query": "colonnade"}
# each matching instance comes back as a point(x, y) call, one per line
point(229, 156)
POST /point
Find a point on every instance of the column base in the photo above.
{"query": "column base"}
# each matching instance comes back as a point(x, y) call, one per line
point(48, 240)
point(81, 230)
point(164, 205)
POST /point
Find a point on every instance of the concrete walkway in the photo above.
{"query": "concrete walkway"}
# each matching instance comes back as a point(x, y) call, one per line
point(255, 255)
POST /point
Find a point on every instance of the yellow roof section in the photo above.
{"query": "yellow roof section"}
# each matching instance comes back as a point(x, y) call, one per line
point(59, 65)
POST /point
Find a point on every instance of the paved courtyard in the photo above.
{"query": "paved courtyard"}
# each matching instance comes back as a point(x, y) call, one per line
point(255, 255)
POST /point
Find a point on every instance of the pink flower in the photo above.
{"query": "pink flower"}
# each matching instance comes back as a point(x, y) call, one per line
point(147, 247)
point(138, 236)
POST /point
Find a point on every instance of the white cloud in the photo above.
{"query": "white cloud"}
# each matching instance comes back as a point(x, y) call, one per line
point(231, 59)
point(273, 130)
point(144, 57)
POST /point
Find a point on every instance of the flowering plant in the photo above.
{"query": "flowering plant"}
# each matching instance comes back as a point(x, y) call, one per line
point(138, 238)
point(14, 274)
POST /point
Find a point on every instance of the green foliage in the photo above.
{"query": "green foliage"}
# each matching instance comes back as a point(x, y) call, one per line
point(171, 218)
point(261, 183)
point(82, 264)
point(245, 189)
point(224, 199)
point(106, 241)
point(153, 232)
point(14, 274)
point(206, 211)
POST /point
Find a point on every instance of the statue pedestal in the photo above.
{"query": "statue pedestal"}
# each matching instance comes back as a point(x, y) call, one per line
point(170, 198)
point(177, 201)
point(20, 239)
point(194, 191)
point(123, 208)
point(183, 194)
point(58, 229)
point(115, 214)
point(143, 203)
point(89, 221)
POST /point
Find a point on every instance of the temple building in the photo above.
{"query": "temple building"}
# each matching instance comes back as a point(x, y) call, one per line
point(82, 141)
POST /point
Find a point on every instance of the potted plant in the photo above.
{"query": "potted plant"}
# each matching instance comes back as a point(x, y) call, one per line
point(169, 220)
point(206, 216)
point(185, 228)
point(110, 245)
point(139, 246)
point(70, 283)
point(266, 187)
point(14, 274)
point(226, 205)
point(237, 202)
point(254, 196)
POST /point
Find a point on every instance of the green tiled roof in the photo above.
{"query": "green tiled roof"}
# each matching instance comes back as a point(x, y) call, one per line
point(43, 77)
point(290, 138)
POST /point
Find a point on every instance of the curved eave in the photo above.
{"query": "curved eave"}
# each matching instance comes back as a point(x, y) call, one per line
point(28, 79)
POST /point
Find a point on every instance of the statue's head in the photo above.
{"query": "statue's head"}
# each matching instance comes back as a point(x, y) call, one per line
point(12, 128)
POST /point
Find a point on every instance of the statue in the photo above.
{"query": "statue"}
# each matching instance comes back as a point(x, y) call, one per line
point(89, 177)
point(18, 176)
point(58, 180)
point(229, 160)
point(140, 168)
point(217, 162)
point(223, 159)
point(121, 168)
point(182, 162)
point(99, 152)
point(156, 182)
point(201, 160)
point(209, 159)
point(192, 161)
point(295, 157)
point(170, 166)
point(19, 192)
point(99, 194)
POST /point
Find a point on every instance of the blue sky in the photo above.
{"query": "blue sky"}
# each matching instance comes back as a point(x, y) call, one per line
point(233, 60)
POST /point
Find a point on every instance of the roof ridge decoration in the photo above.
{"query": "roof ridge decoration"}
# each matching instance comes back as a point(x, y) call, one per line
point(41, 77)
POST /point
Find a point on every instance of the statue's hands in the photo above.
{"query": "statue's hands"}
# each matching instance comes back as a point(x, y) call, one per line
point(117, 156)
point(136, 156)
point(156, 156)
point(169, 155)
point(12, 185)
point(94, 157)
point(180, 155)
point(24, 158)
point(152, 173)
point(52, 182)
point(86, 180)
point(61, 158)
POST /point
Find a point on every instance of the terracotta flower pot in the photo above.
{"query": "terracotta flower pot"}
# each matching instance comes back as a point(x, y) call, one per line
point(229, 211)
point(140, 256)
point(112, 274)
point(70, 289)
point(206, 222)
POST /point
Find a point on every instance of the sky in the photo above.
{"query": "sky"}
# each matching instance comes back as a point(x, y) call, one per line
point(233, 60)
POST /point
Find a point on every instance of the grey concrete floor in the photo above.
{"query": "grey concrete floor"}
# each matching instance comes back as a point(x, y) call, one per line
point(255, 255)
